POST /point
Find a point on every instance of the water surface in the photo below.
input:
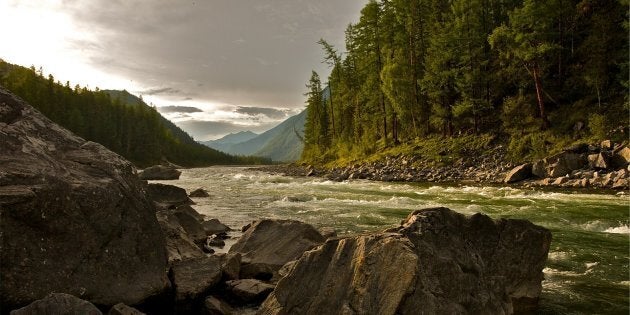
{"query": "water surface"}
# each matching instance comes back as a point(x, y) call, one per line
point(587, 270)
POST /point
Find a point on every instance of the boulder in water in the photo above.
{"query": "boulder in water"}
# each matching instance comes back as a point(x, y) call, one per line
point(160, 172)
point(168, 196)
point(199, 193)
point(74, 217)
point(438, 261)
point(214, 306)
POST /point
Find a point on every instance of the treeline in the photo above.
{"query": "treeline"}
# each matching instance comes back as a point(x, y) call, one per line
point(135, 131)
point(528, 70)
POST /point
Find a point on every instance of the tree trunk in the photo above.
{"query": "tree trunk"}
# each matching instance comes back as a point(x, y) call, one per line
point(332, 112)
point(541, 103)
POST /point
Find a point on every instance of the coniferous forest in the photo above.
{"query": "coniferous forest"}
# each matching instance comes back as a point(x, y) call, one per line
point(534, 74)
point(132, 129)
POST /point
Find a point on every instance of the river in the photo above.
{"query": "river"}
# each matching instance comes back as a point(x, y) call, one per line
point(587, 271)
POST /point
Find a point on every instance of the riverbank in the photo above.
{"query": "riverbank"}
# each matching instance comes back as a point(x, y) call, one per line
point(602, 167)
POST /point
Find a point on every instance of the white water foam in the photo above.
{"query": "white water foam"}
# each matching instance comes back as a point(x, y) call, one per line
point(623, 229)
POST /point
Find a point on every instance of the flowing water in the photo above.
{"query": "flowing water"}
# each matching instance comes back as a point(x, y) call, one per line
point(587, 271)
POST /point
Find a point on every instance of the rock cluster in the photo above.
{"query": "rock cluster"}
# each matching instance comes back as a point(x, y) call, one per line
point(436, 262)
point(581, 166)
point(490, 167)
point(188, 234)
point(73, 217)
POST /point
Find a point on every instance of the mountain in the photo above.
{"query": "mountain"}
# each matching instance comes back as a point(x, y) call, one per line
point(224, 143)
point(118, 120)
point(281, 143)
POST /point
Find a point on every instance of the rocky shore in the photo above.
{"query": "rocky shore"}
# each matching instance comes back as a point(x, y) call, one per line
point(81, 233)
point(604, 165)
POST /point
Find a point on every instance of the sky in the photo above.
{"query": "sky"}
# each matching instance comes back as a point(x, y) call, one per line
point(211, 66)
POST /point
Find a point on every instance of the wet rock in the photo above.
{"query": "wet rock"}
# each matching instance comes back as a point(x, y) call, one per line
point(249, 290)
point(159, 172)
point(192, 278)
point(74, 217)
point(168, 196)
point(59, 303)
point(199, 193)
point(519, 173)
point(122, 309)
point(214, 306)
point(269, 244)
point(438, 261)
point(214, 226)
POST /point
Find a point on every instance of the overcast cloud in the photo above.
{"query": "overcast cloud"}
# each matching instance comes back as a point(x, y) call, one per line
point(252, 57)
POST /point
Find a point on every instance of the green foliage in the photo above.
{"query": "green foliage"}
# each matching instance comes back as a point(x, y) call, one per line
point(597, 125)
point(529, 71)
point(136, 131)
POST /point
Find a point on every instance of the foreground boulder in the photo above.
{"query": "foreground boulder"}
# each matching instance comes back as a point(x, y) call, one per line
point(59, 303)
point(73, 217)
point(269, 244)
point(160, 172)
point(437, 262)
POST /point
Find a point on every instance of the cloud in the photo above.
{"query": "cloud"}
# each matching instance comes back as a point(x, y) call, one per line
point(179, 109)
point(204, 48)
point(272, 113)
point(159, 91)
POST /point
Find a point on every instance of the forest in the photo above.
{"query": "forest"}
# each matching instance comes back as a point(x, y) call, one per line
point(132, 129)
point(534, 74)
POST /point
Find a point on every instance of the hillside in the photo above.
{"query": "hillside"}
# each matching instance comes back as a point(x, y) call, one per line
point(226, 142)
point(281, 143)
point(138, 133)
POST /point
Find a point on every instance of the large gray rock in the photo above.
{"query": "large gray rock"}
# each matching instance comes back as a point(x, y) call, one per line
point(269, 244)
point(194, 277)
point(564, 163)
point(519, 173)
point(437, 262)
point(73, 217)
point(160, 172)
point(59, 304)
point(179, 245)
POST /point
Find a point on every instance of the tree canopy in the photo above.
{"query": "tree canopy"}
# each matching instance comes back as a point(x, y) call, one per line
point(418, 68)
